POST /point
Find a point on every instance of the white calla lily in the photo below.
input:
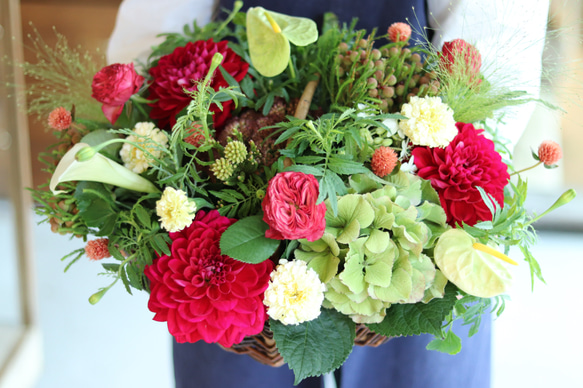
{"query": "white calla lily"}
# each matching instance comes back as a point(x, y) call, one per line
point(97, 169)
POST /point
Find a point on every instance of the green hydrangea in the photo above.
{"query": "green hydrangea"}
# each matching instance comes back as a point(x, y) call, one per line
point(376, 250)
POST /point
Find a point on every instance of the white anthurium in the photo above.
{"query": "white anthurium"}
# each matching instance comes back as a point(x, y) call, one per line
point(98, 168)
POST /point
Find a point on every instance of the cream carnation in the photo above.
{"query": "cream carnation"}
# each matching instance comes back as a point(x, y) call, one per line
point(295, 293)
point(430, 122)
point(150, 138)
point(175, 210)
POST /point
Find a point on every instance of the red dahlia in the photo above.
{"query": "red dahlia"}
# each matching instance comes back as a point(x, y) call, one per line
point(456, 171)
point(203, 294)
point(177, 71)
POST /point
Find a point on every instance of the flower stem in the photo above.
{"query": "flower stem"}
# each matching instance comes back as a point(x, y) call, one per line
point(525, 169)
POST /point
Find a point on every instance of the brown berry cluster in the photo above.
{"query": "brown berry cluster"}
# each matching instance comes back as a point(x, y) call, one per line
point(249, 125)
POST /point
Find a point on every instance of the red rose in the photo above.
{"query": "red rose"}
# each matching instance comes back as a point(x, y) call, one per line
point(460, 56)
point(177, 71)
point(113, 86)
point(203, 294)
point(290, 207)
point(455, 172)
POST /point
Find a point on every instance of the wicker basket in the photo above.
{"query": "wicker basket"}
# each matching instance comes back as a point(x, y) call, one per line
point(261, 347)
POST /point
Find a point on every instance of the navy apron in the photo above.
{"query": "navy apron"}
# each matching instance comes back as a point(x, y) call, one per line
point(400, 363)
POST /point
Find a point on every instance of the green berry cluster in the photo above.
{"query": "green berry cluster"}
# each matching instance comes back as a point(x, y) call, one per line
point(389, 75)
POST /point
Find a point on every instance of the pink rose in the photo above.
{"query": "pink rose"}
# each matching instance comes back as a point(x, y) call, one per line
point(460, 56)
point(113, 86)
point(290, 207)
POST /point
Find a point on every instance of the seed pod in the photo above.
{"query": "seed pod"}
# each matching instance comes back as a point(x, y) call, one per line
point(375, 54)
point(387, 91)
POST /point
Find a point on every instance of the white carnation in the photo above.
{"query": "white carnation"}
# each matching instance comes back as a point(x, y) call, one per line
point(430, 122)
point(176, 212)
point(148, 137)
point(295, 293)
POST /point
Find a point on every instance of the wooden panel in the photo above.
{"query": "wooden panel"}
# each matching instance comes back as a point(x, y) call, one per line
point(86, 23)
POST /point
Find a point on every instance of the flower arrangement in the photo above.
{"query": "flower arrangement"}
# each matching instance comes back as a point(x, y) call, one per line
point(344, 179)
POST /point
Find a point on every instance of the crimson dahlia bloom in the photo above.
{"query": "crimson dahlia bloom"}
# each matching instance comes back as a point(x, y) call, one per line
point(455, 172)
point(202, 294)
point(290, 207)
point(178, 71)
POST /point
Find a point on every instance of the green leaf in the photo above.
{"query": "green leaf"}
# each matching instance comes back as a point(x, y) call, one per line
point(418, 318)
point(143, 215)
point(96, 207)
point(161, 245)
point(110, 267)
point(346, 167)
point(316, 347)
point(305, 169)
point(245, 241)
point(451, 344)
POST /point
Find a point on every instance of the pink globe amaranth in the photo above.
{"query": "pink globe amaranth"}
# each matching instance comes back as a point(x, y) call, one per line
point(202, 294)
point(290, 208)
point(180, 69)
point(113, 86)
point(456, 171)
point(459, 54)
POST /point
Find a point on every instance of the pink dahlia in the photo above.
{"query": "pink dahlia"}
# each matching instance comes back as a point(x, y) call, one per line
point(202, 294)
point(290, 207)
point(456, 171)
point(180, 69)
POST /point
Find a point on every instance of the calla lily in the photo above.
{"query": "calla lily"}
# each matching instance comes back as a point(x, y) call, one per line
point(269, 34)
point(475, 268)
point(98, 168)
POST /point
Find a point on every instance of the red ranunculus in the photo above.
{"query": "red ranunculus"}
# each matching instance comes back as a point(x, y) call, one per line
point(459, 54)
point(178, 71)
point(203, 294)
point(455, 172)
point(113, 86)
point(290, 207)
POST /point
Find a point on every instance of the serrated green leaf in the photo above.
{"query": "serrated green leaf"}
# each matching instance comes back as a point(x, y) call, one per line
point(418, 318)
point(316, 347)
point(134, 276)
point(110, 267)
point(96, 207)
point(161, 245)
point(142, 215)
point(125, 281)
point(451, 344)
point(315, 171)
point(346, 167)
point(245, 241)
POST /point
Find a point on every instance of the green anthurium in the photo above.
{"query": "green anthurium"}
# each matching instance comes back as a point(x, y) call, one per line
point(464, 263)
point(269, 34)
point(97, 168)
